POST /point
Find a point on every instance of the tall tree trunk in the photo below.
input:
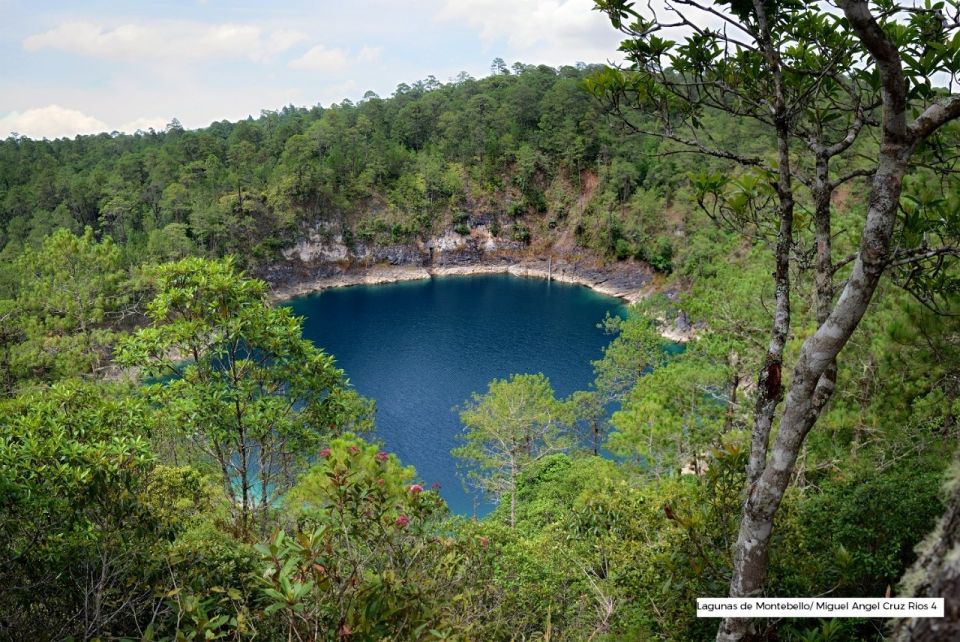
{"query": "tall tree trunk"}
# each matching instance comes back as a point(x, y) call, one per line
point(807, 394)
point(805, 397)
point(769, 387)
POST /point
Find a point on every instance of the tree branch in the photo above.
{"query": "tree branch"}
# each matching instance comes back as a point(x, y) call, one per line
point(934, 116)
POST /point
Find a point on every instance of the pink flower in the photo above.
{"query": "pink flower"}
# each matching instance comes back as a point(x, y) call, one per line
point(382, 456)
point(380, 482)
point(325, 453)
point(354, 450)
point(416, 488)
point(484, 541)
point(435, 486)
point(402, 521)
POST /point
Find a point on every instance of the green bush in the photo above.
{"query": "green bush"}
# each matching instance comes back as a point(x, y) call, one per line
point(365, 558)
point(521, 233)
point(857, 536)
point(662, 256)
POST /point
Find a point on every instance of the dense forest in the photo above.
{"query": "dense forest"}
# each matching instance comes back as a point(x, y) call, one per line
point(178, 463)
point(517, 144)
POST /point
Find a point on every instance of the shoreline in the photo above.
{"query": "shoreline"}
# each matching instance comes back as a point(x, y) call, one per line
point(628, 282)
point(383, 274)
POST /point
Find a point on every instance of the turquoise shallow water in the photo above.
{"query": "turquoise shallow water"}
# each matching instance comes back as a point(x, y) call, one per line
point(421, 348)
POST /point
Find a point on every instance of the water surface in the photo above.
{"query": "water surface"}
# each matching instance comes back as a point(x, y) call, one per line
point(421, 348)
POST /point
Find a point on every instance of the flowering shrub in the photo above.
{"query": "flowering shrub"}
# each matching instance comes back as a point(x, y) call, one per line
point(359, 564)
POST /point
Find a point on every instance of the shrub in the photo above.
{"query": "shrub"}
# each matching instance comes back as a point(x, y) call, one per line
point(521, 233)
point(662, 256)
point(363, 555)
point(516, 209)
point(841, 541)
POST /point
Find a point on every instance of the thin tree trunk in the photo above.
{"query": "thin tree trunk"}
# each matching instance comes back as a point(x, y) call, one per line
point(806, 395)
point(822, 193)
point(734, 362)
point(769, 385)
point(824, 269)
point(513, 498)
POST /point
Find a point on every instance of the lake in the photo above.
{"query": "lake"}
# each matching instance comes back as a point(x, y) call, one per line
point(421, 348)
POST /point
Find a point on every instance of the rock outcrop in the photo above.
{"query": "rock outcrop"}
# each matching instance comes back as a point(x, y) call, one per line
point(628, 280)
point(324, 260)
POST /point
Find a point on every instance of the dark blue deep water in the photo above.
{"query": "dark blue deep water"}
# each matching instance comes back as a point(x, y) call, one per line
point(421, 348)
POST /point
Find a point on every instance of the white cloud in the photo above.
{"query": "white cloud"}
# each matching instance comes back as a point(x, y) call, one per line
point(52, 121)
point(280, 40)
point(327, 59)
point(165, 41)
point(123, 71)
point(321, 58)
point(547, 31)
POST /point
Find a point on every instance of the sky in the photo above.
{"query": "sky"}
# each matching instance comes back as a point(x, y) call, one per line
point(86, 67)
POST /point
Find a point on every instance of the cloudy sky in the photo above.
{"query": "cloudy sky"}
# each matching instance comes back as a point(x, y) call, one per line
point(82, 67)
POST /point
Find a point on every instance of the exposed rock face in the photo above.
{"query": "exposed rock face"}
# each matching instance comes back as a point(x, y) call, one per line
point(390, 254)
point(449, 242)
point(318, 247)
point(322, 260)
point(625, 280)
point(629, 281)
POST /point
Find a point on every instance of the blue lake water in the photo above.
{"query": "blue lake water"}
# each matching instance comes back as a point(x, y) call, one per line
point(421, 348)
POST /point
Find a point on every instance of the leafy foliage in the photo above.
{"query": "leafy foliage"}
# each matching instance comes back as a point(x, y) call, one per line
point(517, 422)
point(86, 515)
point(70, 298)
point(361, 559)
point(243, 386)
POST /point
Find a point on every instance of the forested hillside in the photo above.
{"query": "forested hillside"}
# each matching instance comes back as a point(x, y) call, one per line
point(178, 463)
point(519, 146)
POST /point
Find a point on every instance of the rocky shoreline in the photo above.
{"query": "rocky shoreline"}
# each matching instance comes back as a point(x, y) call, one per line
point(628, 281)
point(323, 259)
